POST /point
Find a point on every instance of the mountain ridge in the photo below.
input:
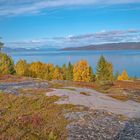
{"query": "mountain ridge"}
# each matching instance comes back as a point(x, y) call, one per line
point(108, 46)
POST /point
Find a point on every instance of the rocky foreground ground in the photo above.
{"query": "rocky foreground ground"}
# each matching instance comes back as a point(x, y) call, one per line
point(105, 119)
point(101, 125)
point(96, 100)
point(91, 121)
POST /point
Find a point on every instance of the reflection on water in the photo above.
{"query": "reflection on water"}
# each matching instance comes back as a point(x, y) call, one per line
point(129, 60)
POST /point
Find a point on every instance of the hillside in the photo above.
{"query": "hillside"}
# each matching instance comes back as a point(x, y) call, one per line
point(41, 110)
point(110, 46)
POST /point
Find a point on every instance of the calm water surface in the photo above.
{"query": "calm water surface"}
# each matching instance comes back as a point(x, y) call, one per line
point(129, 60)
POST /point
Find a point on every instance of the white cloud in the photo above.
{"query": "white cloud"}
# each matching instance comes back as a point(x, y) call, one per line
point(81, 40)
point(17, 7)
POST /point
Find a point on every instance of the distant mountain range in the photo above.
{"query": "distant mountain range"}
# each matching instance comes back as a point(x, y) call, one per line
point(110, 46)
point(8, 49)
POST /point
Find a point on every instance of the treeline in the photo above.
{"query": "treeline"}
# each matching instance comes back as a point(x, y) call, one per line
point(81, 71)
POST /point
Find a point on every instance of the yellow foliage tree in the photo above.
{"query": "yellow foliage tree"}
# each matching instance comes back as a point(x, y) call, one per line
point(124, 76)
point(81, 71)
point(6, 64)
point(47, 71)
point(57, 74)
point(41, 70)
point(36, 69)
point(22, 68)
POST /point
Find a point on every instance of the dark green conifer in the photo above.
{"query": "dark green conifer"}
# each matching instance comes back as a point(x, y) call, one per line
point(104, 70)
point(69, 73)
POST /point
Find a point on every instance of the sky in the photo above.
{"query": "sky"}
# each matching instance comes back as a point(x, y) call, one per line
point(68, 23)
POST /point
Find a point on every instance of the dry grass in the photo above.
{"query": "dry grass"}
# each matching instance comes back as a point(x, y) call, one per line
point(32, 117)
point(34, 92)
point(127, 84)
point(13, 78)
point(119, 97)
point(56, 85)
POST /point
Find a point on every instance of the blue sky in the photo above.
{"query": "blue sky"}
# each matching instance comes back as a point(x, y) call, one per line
point(34, 23)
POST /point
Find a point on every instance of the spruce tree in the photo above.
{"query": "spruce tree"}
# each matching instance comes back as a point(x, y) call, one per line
point(109, 71)
point(69, 73)
point(64, 71)
point(104, 70)
point(92, 75)
point(101, 68)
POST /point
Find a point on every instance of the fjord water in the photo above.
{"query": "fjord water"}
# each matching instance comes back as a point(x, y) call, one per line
point(125, 59)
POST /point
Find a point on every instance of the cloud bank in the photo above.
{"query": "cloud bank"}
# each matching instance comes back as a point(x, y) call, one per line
point(81, 40)
point(18, 7)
